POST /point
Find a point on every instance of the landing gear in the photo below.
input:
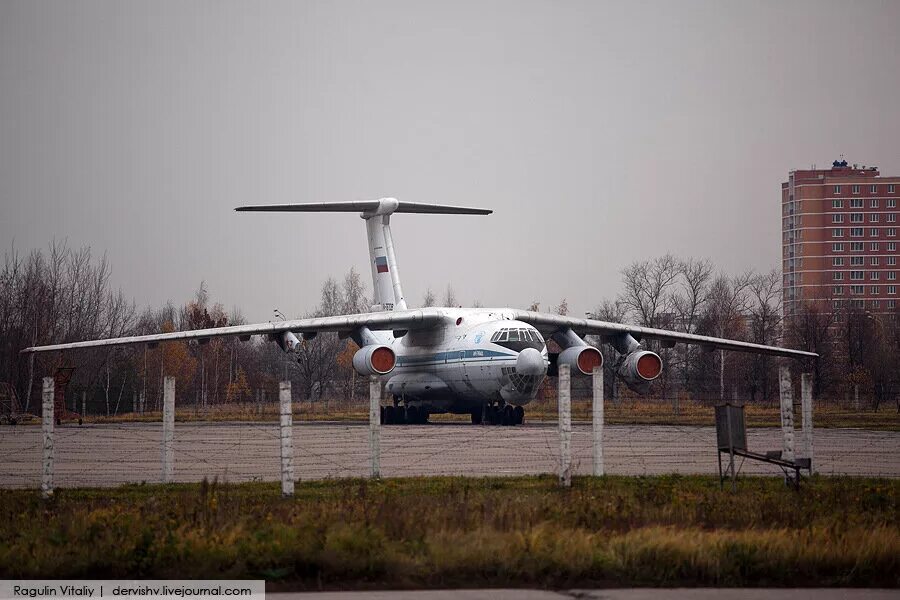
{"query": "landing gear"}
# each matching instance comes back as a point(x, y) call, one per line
point(506, 415)
point(404, 415)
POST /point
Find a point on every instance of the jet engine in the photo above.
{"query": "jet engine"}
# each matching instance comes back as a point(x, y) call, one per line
point(581, 359)
point(639, 368)
point(374, 360)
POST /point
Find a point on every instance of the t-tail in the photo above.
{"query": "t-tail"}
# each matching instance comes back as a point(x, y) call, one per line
point(388, 293)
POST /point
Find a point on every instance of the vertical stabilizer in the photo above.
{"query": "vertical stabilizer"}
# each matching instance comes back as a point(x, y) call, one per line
point(387, 291)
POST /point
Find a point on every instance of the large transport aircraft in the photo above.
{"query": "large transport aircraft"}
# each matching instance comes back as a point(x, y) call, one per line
point(486, 362)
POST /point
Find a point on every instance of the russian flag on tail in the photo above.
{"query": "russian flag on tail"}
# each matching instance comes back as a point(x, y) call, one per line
point(381, 264)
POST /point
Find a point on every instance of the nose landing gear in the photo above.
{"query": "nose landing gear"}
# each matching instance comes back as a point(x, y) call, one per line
point(506, 415)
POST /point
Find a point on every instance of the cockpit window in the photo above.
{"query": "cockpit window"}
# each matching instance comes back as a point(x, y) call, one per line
point(518, 339)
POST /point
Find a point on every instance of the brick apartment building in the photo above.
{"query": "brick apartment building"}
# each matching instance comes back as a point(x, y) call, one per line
point(839, 239)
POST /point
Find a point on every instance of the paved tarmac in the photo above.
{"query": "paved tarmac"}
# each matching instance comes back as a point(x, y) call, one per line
point(112, 454)
point(611, 594)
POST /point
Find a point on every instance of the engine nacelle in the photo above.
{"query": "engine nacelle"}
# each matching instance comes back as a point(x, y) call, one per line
point(639, 369)
point(581, 359)
point(374, 360)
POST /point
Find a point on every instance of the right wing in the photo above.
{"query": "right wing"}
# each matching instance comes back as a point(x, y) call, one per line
point(394, 320)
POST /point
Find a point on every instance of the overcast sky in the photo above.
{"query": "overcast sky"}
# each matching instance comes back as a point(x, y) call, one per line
point(600, 133)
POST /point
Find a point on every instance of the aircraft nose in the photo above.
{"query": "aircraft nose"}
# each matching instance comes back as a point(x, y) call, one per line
point(530, 362)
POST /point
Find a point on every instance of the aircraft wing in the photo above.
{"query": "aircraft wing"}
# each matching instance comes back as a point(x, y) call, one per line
point(395, 320)
point(548, 323)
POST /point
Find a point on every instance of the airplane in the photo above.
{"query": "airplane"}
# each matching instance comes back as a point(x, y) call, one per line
point(485, 362)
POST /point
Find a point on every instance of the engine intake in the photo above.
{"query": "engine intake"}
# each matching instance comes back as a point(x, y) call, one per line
point(639, 369)
point(374, 360)
point(581, 359)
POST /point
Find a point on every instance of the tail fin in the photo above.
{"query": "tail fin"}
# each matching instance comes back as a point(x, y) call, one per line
point(385, 278)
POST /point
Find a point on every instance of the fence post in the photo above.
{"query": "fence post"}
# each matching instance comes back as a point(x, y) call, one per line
point(565, 426)
point(83, 404)
point(598, 421)
point(807, 419)
point(287, 440)
point(47, 423)
point(168, 441)
point(375, 424)
point(787, 412)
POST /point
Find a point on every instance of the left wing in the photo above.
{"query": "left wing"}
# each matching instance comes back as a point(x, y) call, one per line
point(548, 323)
point(395, 320)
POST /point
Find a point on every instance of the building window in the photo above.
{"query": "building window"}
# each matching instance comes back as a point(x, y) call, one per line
point(873, 189)
point(873, 290)
point(837, 261)
point(892, 289)
point(874, 276)
point(837, 189)
point(855, 188)
point(891, 232)
point(873, 232)
point(837, 276)
point(857, 275)
point(857, 261)
point(874, 246)
point(837, 204)
point(873, 203)
point(891, 261)
point(891, 203)
point(856, 246)
point(891, 303)
point(857, 303)
point(892, 246)
point(875, 303)
point(857, 289)
point(838, 290)
point(837, 218)
point(892, 275)
point(891, 188)
point(856, 203)
point(837, 247)
point(856, 232)
point(837, 232)
point(892, 218)
point(873, 217)
point(856, 218)
point(874, 261)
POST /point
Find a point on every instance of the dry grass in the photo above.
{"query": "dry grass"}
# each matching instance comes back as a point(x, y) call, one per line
point(440, 532)
point(625, 412)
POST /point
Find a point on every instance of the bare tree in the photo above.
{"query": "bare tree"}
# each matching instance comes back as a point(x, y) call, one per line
point(428, 299)
point(449, 296)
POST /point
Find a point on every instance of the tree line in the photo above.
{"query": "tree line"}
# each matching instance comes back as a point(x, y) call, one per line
point(63, 294)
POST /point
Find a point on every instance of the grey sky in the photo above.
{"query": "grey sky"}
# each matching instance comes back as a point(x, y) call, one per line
point(599, 132)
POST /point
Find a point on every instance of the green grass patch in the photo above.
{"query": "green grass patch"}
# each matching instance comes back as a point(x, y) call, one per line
point(447, 532)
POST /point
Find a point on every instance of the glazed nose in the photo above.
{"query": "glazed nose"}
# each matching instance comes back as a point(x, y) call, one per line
point(530, 362)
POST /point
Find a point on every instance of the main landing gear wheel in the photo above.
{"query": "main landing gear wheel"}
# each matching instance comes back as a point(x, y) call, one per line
point(477, 415)
point(518, 415)
point(389, 415)
point(508, 417)
point(412, 415)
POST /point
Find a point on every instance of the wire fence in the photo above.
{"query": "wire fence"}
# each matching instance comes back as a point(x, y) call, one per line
point(247, 446)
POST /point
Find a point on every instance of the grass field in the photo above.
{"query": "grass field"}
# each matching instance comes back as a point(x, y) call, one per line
point(626, 412)
point(447, 532)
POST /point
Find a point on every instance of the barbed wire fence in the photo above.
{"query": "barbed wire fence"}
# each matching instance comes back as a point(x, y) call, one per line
point(282, 439)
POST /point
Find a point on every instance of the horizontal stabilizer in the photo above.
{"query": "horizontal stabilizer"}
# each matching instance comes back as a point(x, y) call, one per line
point(366, 206)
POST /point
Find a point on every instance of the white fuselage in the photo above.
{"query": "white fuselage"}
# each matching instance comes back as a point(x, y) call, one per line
point(469, 361)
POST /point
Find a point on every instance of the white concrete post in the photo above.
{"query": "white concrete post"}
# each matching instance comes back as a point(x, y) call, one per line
point(83, 404)
point(598, 421)
point(807, 423)
point(565, 426)
point(168, 440)
point(287, 440)
point(375, 425)
point(47, 423)
point(787, 413)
